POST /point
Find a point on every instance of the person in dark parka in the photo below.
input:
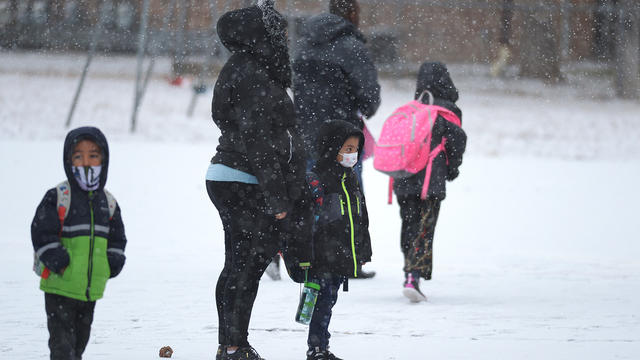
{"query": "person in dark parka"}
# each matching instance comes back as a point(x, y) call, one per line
point(258, 171)
point(419, 216)
point(341, 241)
point(334, 76)
point(80, 242)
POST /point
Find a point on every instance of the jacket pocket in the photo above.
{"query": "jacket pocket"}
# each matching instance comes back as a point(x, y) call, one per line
point(333, 208)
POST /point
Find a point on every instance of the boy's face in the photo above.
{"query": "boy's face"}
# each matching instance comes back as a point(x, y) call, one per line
point(350, 146)
point(86, 153)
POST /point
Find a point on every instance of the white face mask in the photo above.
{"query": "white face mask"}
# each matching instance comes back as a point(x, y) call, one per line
point(349, 160)
point(87, 177)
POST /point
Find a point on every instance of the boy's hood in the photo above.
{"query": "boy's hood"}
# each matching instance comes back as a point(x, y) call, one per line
point(434, 76)
point(332, 135)
point(324, 28)
point(85, 133)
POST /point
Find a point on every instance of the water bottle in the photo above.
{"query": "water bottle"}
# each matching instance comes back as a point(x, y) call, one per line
point(307, 303)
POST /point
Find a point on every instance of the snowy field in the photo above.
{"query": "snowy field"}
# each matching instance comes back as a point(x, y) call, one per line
point(536, 251)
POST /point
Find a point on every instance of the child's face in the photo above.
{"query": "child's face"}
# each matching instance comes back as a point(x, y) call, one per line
point(350, 146)
point(86, 153)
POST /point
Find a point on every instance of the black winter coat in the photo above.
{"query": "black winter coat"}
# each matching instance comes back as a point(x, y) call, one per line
point(45, 228)
point(334, 76)
point(341, 231)
point(434, 77)
point(254, 112)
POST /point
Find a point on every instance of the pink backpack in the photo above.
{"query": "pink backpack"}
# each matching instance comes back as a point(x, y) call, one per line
point(403, 148)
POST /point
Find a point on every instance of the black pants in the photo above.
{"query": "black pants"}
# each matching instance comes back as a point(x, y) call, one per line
point(419, 218)
point(327, 297)
point(251, 239)
point(69, 323)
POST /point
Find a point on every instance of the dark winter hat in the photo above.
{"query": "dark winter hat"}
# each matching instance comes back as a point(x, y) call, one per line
point(274, 23)
point(434, 77)
point(261, 31)
point(332, 135)
point(85, 133)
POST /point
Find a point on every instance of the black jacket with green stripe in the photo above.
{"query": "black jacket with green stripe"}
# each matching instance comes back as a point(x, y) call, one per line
point(341, 228)
point(88, 248)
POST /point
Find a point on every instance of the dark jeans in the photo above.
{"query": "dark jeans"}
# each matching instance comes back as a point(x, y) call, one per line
point(251, 239)
point(69, 323)
point(319, 327)
point(419, 218)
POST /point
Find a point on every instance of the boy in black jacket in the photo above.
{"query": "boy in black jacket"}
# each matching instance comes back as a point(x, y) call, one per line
point(419, 216)
point(79, 240)
point(341, 230)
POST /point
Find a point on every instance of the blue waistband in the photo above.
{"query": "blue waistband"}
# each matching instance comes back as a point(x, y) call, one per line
point(220, 172)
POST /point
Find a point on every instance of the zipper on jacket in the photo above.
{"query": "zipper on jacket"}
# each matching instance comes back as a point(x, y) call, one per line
point(341, 205)
point(358, 203)
point(353, 244)
point(91, 243)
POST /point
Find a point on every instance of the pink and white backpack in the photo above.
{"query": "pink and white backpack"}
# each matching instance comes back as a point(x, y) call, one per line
point(403, 148)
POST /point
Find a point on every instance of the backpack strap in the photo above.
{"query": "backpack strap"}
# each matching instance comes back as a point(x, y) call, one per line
point(63, 200)
point(63, 191)
point(111, 200)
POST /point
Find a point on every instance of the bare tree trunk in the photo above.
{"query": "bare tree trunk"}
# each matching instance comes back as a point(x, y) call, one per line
point(627, 59)
point(540, 51)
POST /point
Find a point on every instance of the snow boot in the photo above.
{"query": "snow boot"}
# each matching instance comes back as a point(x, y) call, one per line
point(317, 354)
point(411, 288)
point(243, 353)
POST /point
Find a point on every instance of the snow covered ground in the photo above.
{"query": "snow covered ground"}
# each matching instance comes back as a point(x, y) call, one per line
point(536, 250)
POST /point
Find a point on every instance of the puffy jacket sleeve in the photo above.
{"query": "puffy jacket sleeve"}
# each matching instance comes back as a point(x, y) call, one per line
point(362, 75)
point(117, 243)
point(454, 148)
point(45, 234)
point(256, 107)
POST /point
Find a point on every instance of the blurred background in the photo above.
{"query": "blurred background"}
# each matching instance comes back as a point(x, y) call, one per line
point(546, 39)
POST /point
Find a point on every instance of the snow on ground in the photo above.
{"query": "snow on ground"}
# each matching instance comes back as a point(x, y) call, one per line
point(536, 250)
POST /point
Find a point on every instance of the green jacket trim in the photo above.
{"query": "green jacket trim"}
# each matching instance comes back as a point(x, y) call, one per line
point(353, 243)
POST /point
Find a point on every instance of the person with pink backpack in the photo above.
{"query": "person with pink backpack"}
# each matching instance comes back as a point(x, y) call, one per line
point(419, 172)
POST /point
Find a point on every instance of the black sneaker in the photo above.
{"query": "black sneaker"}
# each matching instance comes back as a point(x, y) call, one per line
point(221, 349)
point(317, 354)
point(243, 353)
point(411, 288)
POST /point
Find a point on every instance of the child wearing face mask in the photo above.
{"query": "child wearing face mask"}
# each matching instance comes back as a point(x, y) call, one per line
point(79, 240)
point(341, 242)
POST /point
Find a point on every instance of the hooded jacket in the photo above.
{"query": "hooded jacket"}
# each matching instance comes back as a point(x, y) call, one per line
point(88, 248)
point(341, 231)
point(334, 76)
point(251, 107)
point(434, 77)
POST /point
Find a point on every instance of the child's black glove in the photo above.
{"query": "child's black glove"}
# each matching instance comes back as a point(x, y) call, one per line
point(116, 262)
point(55, 259)
point(452, 173)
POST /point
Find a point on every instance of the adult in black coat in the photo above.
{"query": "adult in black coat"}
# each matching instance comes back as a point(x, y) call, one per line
point(334, 76)
point(419, 216)
point(258, 171)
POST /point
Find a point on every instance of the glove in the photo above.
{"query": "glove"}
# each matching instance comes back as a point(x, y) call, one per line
point(116, 262)
point(452, 173)
point(55, 259)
